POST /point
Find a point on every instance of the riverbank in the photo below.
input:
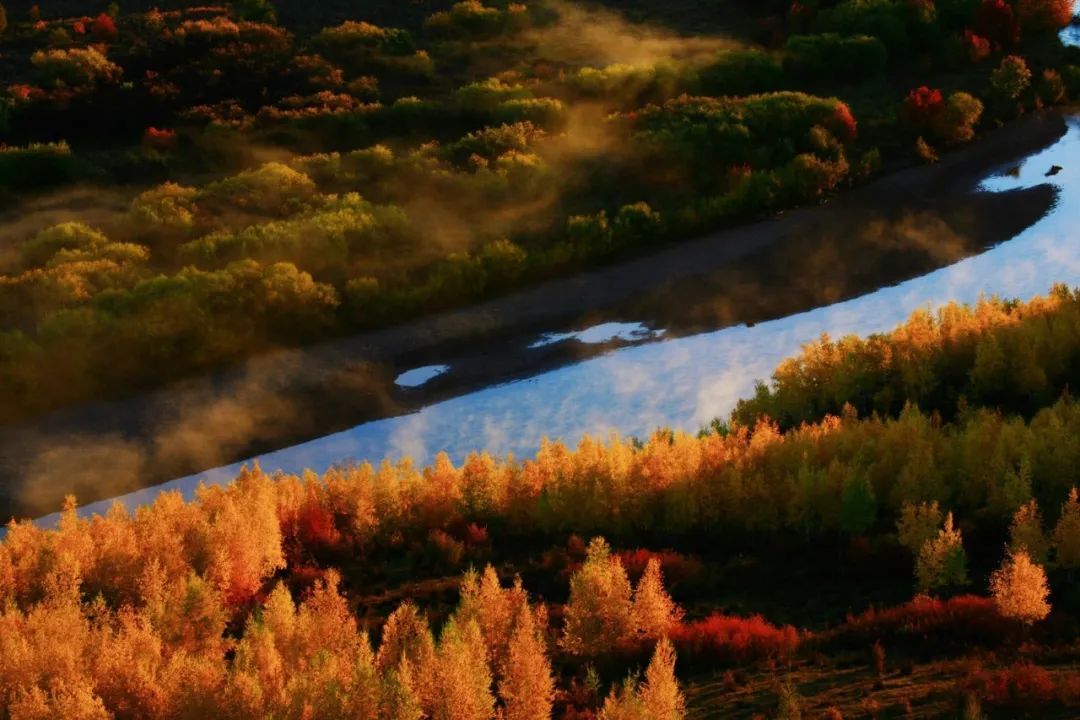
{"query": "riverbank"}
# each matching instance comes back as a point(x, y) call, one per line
point(287, 397)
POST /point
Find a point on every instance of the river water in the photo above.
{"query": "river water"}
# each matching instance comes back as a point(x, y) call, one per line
point(660, 379)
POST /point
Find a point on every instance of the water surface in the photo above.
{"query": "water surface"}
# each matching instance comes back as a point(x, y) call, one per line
point(657, 379)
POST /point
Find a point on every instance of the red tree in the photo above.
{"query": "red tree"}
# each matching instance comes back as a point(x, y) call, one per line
point(104, 28)
point(922, 105)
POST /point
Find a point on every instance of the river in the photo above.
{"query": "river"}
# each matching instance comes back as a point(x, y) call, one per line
point(650, 375)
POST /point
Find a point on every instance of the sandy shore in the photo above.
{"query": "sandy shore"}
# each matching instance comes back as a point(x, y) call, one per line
point(290, 396)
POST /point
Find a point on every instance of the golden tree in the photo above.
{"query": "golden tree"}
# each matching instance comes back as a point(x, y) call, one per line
point(624, 703)
point(407, 638)
point(1026, 532)
point(494, 608)
point(1019, 588)
point(1067, 533)
point(657, 698)
point(599, 614)
point(462, 675)
point(660, 694)
point(654, 612)
point(527, 688)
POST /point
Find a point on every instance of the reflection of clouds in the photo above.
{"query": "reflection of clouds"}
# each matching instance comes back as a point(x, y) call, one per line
point(407, 438)
point(685, 382)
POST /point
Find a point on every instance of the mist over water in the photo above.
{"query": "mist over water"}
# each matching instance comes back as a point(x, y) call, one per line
point(685, 382)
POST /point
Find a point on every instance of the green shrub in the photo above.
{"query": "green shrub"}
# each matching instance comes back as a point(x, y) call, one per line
point(828, 58)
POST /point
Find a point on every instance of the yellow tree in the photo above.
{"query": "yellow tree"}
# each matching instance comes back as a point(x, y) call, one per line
point(407, 638)
point(1026, 532)
point(599, 614)
point(462, 675)
point(624, 704)
point(527, 688)
point(654, 612)
point(660, 694)
point(1019, 588)
point(494, 608)
point(1067, 533)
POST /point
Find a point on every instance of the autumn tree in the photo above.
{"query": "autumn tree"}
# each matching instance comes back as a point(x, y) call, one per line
point(527, 688)
point(3, 19)
point(1066, 537)
point(660, 693)
point(654, 612)
point(599, 614)
point(494, 608)
point(462, 675)
point(408, 649)
point(624, 703)
point(1019, 588)
point(942, 562)
point(1011, 78)
point(1026, 532)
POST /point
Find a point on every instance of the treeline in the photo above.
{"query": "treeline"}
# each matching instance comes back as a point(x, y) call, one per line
point(1013, 356)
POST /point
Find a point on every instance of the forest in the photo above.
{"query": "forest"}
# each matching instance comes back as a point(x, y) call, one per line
point(623, 578)
point(183, 188)
point(887, 527)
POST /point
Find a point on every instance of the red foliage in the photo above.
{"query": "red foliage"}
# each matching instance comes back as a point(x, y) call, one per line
point(921, 106)
point(159, 139)
point(996, 21)
point(104, 28)
point(316, 528)
point(476, 536)
point(722, 638)
point(24, 93)
point(978, 48)
point(312, 527)
point(964, 619)
point(843, 124)
point(79, 26)
point(445, 548)
point(1045, 15)
point(1019, 687)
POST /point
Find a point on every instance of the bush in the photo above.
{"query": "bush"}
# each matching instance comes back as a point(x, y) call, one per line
point(75, 67)
point(1011, 78)
point(741, 72)
point(926, 623)
point(37, 165)
point(829, 58)
point(732, 640)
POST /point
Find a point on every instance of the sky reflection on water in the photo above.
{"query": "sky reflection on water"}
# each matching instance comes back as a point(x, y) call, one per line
point(686, 382)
